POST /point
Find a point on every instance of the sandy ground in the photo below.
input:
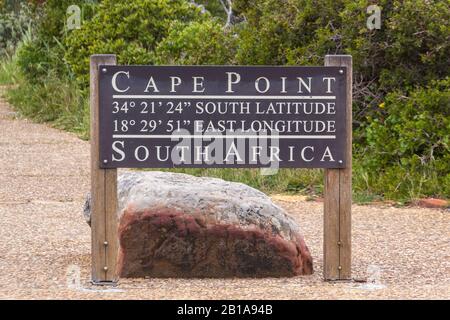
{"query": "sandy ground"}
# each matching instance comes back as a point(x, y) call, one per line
point(44, 241)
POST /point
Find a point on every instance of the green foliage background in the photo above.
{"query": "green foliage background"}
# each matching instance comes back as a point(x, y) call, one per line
point(13, 27)
point(401, 72)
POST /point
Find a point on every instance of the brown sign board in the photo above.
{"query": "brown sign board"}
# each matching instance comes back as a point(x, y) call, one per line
point(222, 116)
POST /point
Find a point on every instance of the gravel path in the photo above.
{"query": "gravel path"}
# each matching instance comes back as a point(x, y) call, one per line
point(44, 240)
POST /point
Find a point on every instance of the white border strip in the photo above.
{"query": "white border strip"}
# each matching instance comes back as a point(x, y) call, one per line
point(199, 136)
point(230, 97)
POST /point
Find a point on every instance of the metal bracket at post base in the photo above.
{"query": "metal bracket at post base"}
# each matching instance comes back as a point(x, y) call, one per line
point(105, 283)
point(341, 280)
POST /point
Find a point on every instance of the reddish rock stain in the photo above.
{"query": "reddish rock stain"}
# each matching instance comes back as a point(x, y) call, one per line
point(165, 242)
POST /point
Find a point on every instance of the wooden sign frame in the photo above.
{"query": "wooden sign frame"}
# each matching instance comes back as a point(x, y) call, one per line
point(338, 197)
point(104, 224)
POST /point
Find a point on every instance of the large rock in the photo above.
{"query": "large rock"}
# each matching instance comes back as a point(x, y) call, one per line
point(177, 225)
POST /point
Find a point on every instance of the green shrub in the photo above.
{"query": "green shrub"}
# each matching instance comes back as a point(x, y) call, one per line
point(56, 100)
point(52, 27)
point(13, 27)
point(407, 152)
point(397, 150)
point(44, 52)
point(185, 44)
point(305, 181)
point(37, 59)
point(130, 29)
point(9, 71)
point(214, 7)
point(411, 48)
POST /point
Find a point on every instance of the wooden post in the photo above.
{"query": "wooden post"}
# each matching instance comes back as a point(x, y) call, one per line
point(104, 239)
point(338, 196)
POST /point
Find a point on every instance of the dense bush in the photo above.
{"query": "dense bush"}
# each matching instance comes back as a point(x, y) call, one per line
point(45, 89)
point(411, 49)
point(43, 54)
point(130, 29)
point(13, 27)
point(185, 44)
point(412, 46)
point(37, 59)
point(56, 100)
point(212, 6)
point(411, 144)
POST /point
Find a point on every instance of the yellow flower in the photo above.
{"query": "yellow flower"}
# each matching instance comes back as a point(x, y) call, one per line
point(381, 105)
